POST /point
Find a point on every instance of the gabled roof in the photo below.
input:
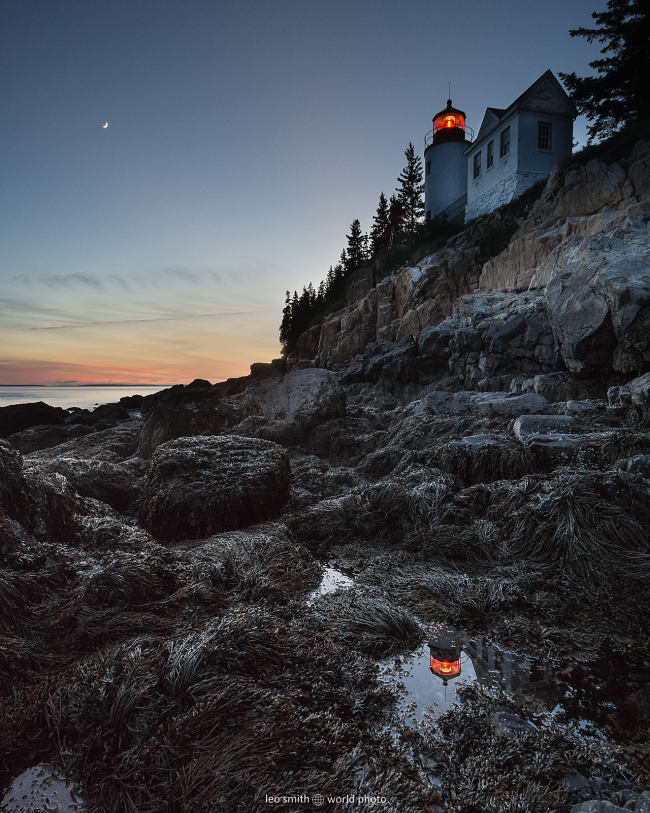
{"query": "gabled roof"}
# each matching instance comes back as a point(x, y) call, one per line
point(491, 119)
point(545, 95)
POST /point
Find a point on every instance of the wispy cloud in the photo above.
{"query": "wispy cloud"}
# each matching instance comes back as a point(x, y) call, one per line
point(141, 279)
point(179, 317)
point(73, 281)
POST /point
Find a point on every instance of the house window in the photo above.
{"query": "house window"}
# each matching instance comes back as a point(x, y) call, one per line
point(504, 145)
point(477, 164)
point(490, 154)
point(428, 167)
point(544, 133)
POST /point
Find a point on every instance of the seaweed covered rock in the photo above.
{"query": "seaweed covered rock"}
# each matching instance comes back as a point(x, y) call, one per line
point(116, 483)
point(15, 501)
point(16, 417)
point(202, 485)
point(37, 438)
point(167, 421)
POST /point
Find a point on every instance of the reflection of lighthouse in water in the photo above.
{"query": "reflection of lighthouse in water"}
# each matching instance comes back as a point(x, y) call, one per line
point(445, 647)
point(428, 681)
point(490, 663)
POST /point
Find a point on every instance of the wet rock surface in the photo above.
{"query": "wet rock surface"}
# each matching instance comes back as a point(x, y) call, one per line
point(201, 485)
point(16, 417)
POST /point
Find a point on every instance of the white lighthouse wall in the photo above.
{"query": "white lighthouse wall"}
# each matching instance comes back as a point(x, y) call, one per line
point(446, 180)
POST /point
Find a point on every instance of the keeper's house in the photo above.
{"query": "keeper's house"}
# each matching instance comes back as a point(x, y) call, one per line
point(514, 148)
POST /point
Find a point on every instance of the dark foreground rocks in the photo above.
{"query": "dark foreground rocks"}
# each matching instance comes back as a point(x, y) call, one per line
point(163, 615)
point(198, 486)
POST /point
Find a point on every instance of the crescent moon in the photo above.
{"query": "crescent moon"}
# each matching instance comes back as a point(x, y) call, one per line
point(105, 125)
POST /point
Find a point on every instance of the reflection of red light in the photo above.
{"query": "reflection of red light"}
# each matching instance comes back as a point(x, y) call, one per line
point(445, 669)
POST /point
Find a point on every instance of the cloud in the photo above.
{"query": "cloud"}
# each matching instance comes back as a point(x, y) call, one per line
point(73, 280)
point(179, 317)
point(143, 279)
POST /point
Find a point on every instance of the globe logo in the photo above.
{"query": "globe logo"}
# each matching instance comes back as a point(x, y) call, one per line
point(318, 799)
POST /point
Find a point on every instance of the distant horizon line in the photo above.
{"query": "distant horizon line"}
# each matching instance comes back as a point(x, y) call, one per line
point(97, 384)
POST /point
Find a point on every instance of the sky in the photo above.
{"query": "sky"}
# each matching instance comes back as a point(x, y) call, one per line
point(243, 138)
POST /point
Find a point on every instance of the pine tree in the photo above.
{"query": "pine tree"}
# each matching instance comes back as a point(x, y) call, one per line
point(380, 231)
point(410, 189)
point(285, 326)
point(396, 220)
point(355, 254)
point(619, 92)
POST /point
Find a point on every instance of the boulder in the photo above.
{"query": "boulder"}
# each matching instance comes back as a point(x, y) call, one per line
point(480, 458)
point(118, 484)
point(633, 396)
point(579, 407)
point(597, 806)
point(511, 405)
point(167, 421)
point(487, 404)
point(618, 397)
point(304, 396)
point(115, 443)
point(529, 426)
point(198, 486)
point(45, 437)
point(556, 386)
point(56, 506)
point(639, 389)
point(639, 464)
point(16, 417)
point(454, 403)
point(598, 299)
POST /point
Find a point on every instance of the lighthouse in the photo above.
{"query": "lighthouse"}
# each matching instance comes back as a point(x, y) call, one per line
point(445, 178)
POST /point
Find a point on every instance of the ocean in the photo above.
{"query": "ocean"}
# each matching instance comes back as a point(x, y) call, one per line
point(84, 397)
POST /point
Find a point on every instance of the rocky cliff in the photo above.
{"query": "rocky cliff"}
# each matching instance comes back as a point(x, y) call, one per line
point(568, 293)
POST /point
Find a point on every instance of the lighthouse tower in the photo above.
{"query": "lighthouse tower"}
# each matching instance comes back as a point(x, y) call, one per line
point(445, 179)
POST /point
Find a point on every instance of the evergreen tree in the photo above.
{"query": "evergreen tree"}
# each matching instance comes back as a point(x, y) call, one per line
point(396, 220)
point(380, 231)
point(285, 326)
point(619, 91)
point(410, 189)
point(355, 254)
point(339, 276)
point(330, 283)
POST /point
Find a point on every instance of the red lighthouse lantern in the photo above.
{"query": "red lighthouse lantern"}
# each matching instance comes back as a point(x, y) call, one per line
point(445, 653)
point(449, 125)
